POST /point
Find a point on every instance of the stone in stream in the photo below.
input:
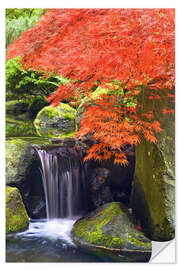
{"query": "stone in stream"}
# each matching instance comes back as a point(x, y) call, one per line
point(16, 215)
point(110, 230)
point(55, 121)
point(153, 190)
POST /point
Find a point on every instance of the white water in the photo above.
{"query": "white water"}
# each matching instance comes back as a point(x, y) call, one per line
point(64, 184)
point(53, 229)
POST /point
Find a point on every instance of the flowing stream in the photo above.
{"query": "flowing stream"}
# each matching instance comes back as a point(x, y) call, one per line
point(49, 239)
point(64, 184)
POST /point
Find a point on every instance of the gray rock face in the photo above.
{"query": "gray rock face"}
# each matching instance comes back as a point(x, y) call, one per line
point(119, 178)
point(19, 156)
point(153, 194)
point(22, 171)
point(110, 228)
point(99, 187)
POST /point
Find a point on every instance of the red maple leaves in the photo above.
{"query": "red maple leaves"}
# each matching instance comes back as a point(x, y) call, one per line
point(93, 47)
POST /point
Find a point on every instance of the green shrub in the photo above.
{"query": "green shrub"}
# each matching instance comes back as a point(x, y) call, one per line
point(20, 20)
point(21, 83)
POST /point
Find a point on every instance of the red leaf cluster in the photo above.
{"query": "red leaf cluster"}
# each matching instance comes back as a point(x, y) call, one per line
point(88, 46)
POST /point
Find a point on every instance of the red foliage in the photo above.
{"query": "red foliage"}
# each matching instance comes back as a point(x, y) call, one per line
point(134, 46)
point(138, 227)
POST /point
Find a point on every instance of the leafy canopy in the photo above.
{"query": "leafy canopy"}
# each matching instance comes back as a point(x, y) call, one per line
point(95, 47)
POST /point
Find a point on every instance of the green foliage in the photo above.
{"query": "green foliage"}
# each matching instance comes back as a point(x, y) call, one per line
point(20, 20)
point(21, 83)
point(19, 128)
point(15, 13)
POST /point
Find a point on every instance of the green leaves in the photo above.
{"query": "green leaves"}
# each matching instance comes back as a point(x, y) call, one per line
point(20, 20)
point(20, 82)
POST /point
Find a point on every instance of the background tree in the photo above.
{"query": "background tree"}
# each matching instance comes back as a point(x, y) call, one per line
point(124, 50)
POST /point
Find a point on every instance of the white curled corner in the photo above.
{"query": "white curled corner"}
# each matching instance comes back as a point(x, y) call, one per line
point(163, 252)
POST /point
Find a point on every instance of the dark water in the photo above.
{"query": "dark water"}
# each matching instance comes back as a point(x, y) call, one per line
point(50, 241)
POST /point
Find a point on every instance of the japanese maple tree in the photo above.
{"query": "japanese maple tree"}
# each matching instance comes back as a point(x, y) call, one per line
point(124, 50)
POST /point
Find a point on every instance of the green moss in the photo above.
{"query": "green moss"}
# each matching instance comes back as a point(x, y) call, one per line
point(18, 160)
point(48, 114)
point(153, 195)
point(67, 111)
point(10, 104)
point(16, 215)
point(91, 230)
point(33, 140)
point(16, 128)
point(69, 134)
point(56, 122)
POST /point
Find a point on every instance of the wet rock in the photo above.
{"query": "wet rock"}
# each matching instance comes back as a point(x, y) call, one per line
point(110, 229)
point(22, 172)
point(16, 215)
point(55, 121)
point(120, 177)
point(99, 187)
point(32, 192)
point(19, 156)
point(153, 192)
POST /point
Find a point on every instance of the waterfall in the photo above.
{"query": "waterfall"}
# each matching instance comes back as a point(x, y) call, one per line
point(64, 182)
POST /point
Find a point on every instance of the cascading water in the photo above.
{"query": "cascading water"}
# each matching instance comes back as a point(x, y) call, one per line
point(63, 176)
point(64, 183)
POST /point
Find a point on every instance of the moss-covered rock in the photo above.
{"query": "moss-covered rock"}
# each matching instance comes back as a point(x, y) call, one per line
point(55, 121)
point(153, 195)
point(110, 228)
point(16, 215)
point(18, 160)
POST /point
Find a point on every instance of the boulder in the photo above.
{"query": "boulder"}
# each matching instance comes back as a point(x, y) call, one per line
point(110, 229)
point(22, 171)
point(16, 215)
point(19, 156)
point(55, 121)
point(153, 192)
